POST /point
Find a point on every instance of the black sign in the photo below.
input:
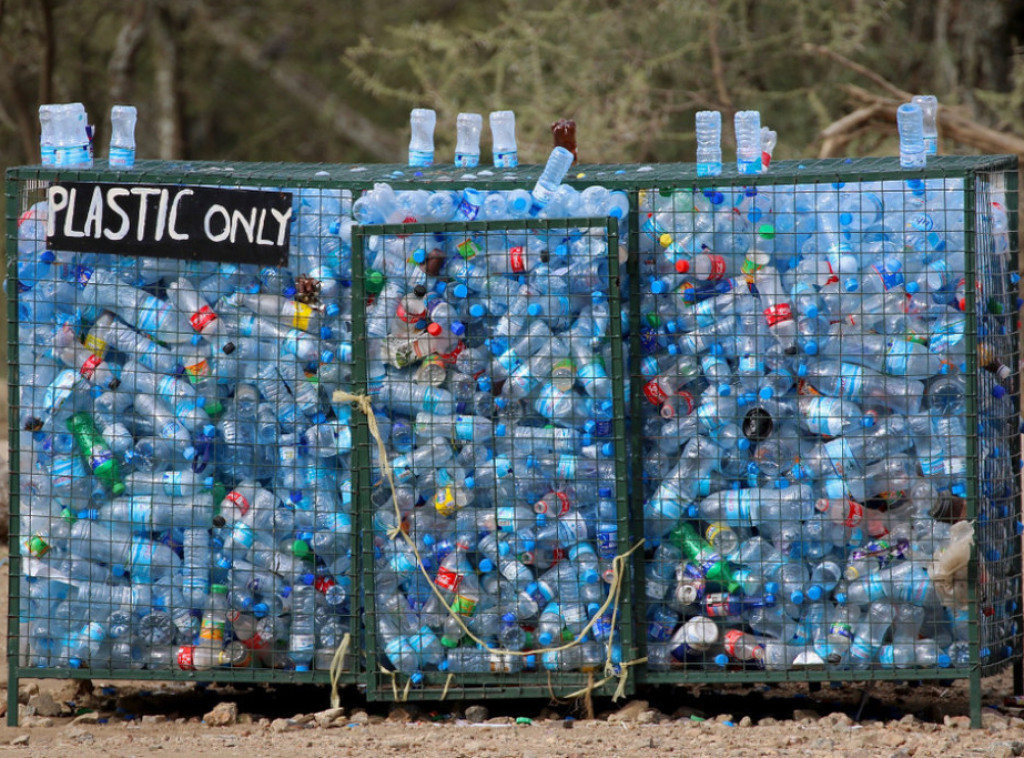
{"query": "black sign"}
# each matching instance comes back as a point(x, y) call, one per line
point(169, 221)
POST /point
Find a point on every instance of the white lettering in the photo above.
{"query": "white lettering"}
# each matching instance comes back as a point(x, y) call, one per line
point(94, 219)
point(112, 194)
point(259, 230)
point(161, 216)
point(143, 193)
point(248, 224)
point(282, 219)
point(175, 235)
point(57, 200)
point(68, 231)
point(221, 211)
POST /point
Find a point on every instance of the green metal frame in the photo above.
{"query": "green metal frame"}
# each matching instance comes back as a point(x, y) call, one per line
point(382, 685)
point(634, 179)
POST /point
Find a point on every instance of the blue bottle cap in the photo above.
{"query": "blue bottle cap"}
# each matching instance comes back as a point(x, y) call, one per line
point(484, 384)
point(999, 392)
point(259, 610)
point(326, 356)
point(841, 598)
point(586, 439)
point(196, 339)
point(428, 540)
point(812, 311)
point(189, 453)
point(912, 287)
point(319, 417)
point(308, 579)
point(201, 401)
point(560, 250)
point(509, 617)
point(289, 291)
point(500, 430)
point(332, 310)
point(801, 370)
point(544, 638)
point(815, 593)
point(295, 496)
point(796, 597)
point(743, 444)
point(944, 661)
point(301, 667)
point(246, 603)
point(959, 489)
point(722, 660)
point(486, 566)
point(593, 608)
point(658, 287)
point(209, 430)
point(458, 328)
point(604, 492)
point(781, 483)
point(771, 588)
point(692, 511)
point(469, 483)
point(75, 663)
point(326, 332)
point(810, 347)
point(530, 588)
point(589, 576)
point(504, 549)
point(608, 449)
point(442, 666)
point(724, 390)
point(766, 393)
point(501, 403)
point(419, 255)
point(47, 256)
point(440, 287)
point(535, 309)
point(477, 310)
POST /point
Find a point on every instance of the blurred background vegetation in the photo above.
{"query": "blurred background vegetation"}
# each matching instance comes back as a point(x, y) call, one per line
point(310, 80)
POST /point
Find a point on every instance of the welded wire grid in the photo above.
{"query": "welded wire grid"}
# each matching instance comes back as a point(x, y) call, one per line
point(490, 356)
point(811, 467)
point(183, 502)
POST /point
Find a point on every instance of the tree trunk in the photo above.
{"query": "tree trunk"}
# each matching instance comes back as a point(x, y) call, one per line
point(169, 117)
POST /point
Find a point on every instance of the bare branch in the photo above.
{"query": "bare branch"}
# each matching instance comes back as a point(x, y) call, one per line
point(169, 107)
point(857, 68)
point(343, 118)
point(717, 69)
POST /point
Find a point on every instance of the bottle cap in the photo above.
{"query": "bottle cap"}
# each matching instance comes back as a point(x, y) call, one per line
point(743, 443)
point(802, 370)
point(457, 328)
point(460, 291)
point(308, 580)
point(682, 266)
point(326, 332)
point(841, 598)
point(867, 422)
point(477, 310)
point(999, 392)
point(535, 309)
point(944, 661)
point(781, 483)
point(771, 588)
point(912, 287)
point(188, 454)
point(724, 390)
point(545, 638)
point(486, 566)
point(448, 642)
point(218, 589)
point(815, 593)
point(434, 329)
point(796, 597)
point(196, 339)
point(443, 665)
point(608, 449)
point(722, 660)
point(766, 393)
point(301, 549)
point(811, 311)
point(327, 356)
point(604, 492)
point(810, 347)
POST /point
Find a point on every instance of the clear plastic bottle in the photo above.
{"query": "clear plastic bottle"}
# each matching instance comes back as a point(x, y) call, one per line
point(122, 136)
point(467, 143)
point(709, 143)
point(929, 105)
point(550, 178)
point(910, 121)
point(421, 143)
point(503, 139)
point(748, 141)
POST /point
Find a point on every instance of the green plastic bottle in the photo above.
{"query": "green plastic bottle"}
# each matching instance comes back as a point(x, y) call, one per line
point(96, 451)
point(697, 549)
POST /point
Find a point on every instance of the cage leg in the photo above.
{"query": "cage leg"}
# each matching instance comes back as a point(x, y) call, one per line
point(975, 698)
point(12, 697)
point(1018, 677)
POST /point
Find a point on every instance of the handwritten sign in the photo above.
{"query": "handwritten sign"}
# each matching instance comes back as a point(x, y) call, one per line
point(219, 224)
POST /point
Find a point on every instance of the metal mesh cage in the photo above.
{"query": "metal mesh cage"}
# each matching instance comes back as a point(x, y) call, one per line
point(183, 504)
point(490, 546)
point(825, 420)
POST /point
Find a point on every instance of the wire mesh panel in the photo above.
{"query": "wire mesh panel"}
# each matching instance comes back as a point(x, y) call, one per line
point(490, 544)
point(824, 392)
point(184, 496)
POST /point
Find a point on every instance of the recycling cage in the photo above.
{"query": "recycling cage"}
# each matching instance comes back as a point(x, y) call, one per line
point(958, 213)
point(534, 468)
point(50, 487)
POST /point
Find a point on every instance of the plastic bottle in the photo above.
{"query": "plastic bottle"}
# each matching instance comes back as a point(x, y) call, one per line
point(547, 183)
point(467, 144)
point(503, 139)
point(709, 143)
point(748, 141)
point(929, 105)
point(421, 143)
point(910, 120)
point(122, 136)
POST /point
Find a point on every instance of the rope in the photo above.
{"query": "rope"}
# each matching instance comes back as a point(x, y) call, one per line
point(619, 568)
point(447, 684)
point(337, 665)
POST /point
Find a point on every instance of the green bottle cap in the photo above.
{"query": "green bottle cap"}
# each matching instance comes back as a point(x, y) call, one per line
point(449, 642)
point(213, 408)
point(300, 549)
point(118, 488)
point(218, 589)
point(374, 281)
point(68, 515)
point(766, 231)
point(37, 547)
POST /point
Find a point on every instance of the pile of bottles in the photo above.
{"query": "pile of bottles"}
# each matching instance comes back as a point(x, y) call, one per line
point(186, 497)
point(490, 363)
point(805, 396)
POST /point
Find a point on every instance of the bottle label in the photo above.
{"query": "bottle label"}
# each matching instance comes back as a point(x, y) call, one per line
point(96, 344)
point(714, 366)
point(444, 502)
point(607, 540)
point(562, 504)
point(840, 629)
point(509, 360)
point(466, 210)
point(750, 365)
point(654, 392)
point(89, 366)
point(60, 389)
point(565, 469)
point(76, 155)
point(840, 455)
point(202, 318)
point(717, 605)
point(705, 312)
point(447, 579)
point(243, 534)
point(849, 382)
point(853, 513)
point(301, 316)
point(464, 606)
point(467, 160)
point(897, 356)
point(140, 559)
point(431, 398)
point(152, 315)
point(404, 315)
point(718, 267)
point(121, 157)
point(862, 649)
point(467, 248)
point(212, 629)
point(516, 260)
point(778, 313)
point(237, 499)
point(506, 159)
point(186, 656)
point(196, 372)
point(733, 638)
point(421, 157)
point(890, 273)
